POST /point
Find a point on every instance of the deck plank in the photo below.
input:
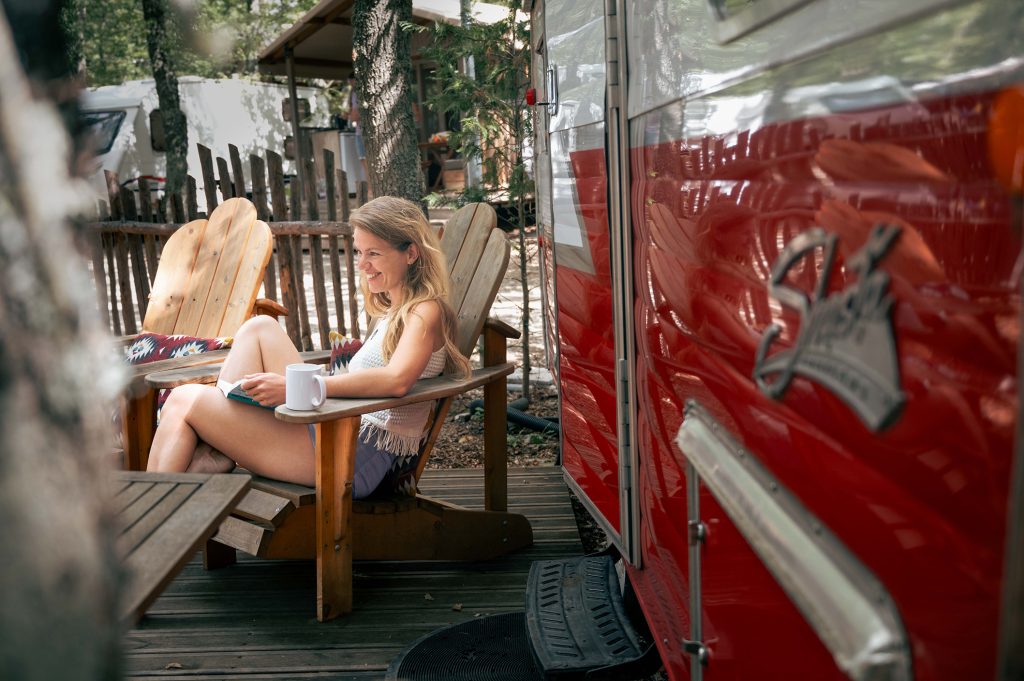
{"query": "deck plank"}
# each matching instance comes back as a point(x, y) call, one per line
point(254, 620)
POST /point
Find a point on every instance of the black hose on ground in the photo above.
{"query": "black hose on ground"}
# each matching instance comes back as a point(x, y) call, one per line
point(521, 418)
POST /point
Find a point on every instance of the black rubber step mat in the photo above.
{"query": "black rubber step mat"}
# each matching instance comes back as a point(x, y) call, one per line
point(575, 618)
point(489, 648)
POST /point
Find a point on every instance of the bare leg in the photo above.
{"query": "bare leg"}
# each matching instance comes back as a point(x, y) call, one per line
point(260, 345)
point(206, 459)
point(247, 435)
point(252, 437)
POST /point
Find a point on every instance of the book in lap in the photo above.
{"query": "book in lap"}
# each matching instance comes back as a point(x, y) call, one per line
point(235, 391)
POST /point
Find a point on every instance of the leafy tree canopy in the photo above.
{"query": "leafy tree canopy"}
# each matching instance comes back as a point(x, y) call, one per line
point(216, 39)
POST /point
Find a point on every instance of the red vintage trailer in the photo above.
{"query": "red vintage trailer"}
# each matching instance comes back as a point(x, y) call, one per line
point(782, 258)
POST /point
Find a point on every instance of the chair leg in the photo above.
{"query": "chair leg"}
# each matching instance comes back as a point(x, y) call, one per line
point(335, 470)
point(138, 424)
point(217, 555)
point(495, 427)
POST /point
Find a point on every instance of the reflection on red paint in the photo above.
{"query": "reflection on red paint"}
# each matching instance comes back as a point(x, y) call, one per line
point(921, 504)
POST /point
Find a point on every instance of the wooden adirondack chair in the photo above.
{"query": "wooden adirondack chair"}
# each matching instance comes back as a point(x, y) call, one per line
point(206, 285)
point(282, 520)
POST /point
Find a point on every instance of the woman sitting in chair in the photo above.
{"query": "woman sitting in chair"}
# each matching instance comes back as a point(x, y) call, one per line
point(405, 283)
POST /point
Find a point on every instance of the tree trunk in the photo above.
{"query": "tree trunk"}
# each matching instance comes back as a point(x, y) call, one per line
point(59, 581)
point(383, 72)
point(175, 127)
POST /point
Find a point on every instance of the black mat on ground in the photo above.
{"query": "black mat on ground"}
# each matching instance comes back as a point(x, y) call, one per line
point(494, 647)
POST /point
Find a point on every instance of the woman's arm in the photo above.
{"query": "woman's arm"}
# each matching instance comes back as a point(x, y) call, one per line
point(420, 338)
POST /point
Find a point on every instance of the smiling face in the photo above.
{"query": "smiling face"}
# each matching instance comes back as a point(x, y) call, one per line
point(383, 265)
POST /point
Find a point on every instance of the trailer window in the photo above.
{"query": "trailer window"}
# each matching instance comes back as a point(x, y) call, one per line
point(736, 17)
point(103, 127)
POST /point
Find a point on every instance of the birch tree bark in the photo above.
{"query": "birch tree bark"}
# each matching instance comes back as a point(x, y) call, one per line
point(59, 578)
point(383, 72)
point(175, 125)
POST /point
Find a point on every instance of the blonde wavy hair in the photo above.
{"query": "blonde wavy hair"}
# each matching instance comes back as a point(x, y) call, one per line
point(401, 223)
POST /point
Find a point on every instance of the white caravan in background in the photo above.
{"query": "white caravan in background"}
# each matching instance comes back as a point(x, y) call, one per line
point(219, 113)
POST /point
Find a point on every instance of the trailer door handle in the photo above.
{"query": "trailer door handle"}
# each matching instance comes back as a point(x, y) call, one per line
point(553, 90)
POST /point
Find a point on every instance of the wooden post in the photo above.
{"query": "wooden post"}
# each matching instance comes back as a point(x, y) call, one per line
point(287, 281)
point(139, 276)
point(96, 244)
point(293, 100)
point(124, 284)
point(193, 199)
point(333, 244)
point(257, 170)
point(209, 182)
point(108, 250)
point(145, 207)
point(236, 170)
point(350, 264)
point(178, 207)
point(137, 430)
point(299, 283)
point(275, 170)
point(152, 258)
point(295, 198)
point(128, 204)
point(226, 189)
point(113, 194)
point(495, 427)
point(335, 469)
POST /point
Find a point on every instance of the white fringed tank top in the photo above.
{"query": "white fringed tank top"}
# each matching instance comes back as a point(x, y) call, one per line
point(398, 431)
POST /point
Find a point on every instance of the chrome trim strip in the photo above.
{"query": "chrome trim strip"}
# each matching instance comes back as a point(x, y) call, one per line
point(693, 564)
point(617, 143)
point(844, 603)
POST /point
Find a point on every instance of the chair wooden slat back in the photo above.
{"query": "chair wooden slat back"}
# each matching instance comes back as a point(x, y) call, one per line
point(481, 258)
point(483, 287)
point(465, 237)
point(209, 273)
point(477, 255)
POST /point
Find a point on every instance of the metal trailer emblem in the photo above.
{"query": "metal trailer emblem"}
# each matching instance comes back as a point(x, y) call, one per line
point(846, 341)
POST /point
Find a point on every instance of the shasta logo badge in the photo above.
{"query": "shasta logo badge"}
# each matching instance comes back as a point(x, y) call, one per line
point(846, 340)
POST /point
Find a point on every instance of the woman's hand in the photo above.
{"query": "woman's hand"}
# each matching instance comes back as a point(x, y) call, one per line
point(267, 389)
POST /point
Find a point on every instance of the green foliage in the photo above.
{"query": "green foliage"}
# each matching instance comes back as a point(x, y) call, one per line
point(219, 38)
point(494, 121)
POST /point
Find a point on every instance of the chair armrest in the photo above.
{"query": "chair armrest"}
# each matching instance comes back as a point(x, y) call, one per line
point(424, 390)
point(208, 373)
point(269, 307)
point(139, 373)
point(494, 324)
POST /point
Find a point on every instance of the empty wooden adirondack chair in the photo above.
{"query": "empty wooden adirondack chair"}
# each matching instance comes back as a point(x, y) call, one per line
point(282, 520)
point(209, 275)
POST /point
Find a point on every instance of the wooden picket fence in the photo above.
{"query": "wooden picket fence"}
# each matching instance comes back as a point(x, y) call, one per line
point(125, 249)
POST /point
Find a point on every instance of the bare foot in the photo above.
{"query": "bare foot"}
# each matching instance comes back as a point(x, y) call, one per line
point(206, 459)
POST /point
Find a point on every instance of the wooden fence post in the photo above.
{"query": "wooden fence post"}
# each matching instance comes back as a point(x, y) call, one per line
point(350, 265)
point(236, 170)
point(226, 190)
point(257, 170)
point(275, 171)
point(209, 182)
point(333, 245)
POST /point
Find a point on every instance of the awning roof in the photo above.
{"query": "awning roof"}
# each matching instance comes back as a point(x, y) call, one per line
point(321, 40)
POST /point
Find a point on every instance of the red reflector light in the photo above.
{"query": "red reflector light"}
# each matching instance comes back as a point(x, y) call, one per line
point(531, 96)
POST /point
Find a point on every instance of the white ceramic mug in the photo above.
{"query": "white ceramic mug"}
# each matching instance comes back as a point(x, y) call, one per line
point(304, 387)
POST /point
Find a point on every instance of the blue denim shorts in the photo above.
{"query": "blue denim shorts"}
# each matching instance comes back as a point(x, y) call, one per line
point(372, 464)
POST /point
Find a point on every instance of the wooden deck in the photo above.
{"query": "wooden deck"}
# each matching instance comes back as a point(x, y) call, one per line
point(255, 620)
